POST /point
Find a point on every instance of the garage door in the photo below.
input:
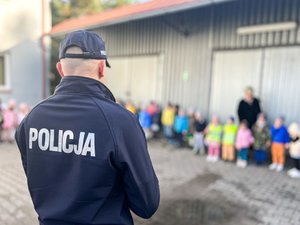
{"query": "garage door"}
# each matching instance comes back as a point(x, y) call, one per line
point(232, 72)
point(281, 83)
point(135, 78)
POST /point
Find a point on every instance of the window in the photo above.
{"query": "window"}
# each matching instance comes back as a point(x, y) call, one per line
point(4, 78)
point(2, 71)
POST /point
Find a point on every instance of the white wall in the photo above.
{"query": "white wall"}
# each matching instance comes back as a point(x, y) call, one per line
point(21, 20)
point(136, 78)
point(20, 34)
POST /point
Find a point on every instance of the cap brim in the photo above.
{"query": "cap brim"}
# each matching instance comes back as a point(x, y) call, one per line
point(107, 64)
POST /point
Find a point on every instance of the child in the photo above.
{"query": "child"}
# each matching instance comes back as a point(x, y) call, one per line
point(198, 136)
point(1, 120)
point(156, 122)
point(189, 135)
point(262, 137)
point(145, 121)
point(10, 122)
point(244, 140)
point(213, 139)
point(167, 120)
point(24, 109)
point(152, 107)
point(181, 126)
point(228, 140)
point(280, 140)
point(294, 132)
point(130, 107)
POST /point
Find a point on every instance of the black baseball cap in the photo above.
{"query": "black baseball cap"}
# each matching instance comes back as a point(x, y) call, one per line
point(91, 44)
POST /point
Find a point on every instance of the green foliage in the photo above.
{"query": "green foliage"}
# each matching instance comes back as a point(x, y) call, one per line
point(65, 9)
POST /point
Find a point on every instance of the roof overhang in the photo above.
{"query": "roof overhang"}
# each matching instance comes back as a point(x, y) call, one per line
point(63, 27)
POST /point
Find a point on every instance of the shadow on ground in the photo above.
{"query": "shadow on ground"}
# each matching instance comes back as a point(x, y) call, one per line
point(194, 206)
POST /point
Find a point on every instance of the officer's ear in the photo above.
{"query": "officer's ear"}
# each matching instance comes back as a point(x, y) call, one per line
point(59, 69)
point(101, 68)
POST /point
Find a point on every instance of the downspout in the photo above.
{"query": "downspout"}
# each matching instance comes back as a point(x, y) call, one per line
point(211, 49)
point(44, 56)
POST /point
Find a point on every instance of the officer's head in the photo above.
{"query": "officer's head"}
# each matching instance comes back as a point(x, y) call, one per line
point(82, 53)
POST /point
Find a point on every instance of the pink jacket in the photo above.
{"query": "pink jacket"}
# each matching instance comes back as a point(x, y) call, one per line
point(10, 119)
point(244, 139)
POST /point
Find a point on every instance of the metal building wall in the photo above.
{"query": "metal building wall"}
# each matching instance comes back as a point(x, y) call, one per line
point(228, 17)
point(281, 80)
point(188, 39)
point(278, 87)
point(186, 57)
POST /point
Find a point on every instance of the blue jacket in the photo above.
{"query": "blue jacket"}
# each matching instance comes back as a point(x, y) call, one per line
point(181, 124)
point(145, 119)
point(86, 158)
point(280, 135)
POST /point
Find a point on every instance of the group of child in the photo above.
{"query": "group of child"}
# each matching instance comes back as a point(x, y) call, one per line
point(230, 141)
point(227, 141)
point(10, 118)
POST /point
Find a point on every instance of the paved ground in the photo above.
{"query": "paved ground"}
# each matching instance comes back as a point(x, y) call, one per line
point(193, 192)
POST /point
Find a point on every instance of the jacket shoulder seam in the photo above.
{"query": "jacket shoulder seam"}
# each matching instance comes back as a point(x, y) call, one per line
point(108, 124)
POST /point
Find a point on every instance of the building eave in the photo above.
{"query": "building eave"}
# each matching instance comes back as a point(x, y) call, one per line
point(136, 16)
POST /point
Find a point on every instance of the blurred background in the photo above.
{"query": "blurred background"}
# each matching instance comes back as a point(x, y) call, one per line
point(195, 53)
point(199, 55)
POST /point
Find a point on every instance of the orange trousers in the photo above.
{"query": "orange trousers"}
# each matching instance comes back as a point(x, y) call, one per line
point(228, 152)
point(278, 153)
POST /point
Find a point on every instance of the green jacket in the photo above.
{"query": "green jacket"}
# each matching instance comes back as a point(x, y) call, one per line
point(262, 137)
point(229, 134)
point(214, 133)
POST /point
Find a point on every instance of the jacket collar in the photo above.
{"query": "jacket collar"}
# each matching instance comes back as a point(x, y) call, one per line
point(83, 85)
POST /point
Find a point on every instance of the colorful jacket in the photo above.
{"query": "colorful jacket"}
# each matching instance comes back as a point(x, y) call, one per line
point(214, 133)
point(280, 135)
point(294, 132)
point(145, 119)
point(131, 108)
point(295, 148)
point(199, 126)
point(244, 139)
point(181, 124)
point(229, 133)
point(10, 119)
point(168, 117)
point(262, 137)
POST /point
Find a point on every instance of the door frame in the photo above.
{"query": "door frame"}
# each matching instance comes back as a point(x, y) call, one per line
point(261, 72)
point(263, 60)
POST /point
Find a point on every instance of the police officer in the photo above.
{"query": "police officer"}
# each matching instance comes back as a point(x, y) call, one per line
point(85, 157)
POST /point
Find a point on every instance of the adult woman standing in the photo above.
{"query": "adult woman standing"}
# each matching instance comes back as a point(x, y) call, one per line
point(249, 107)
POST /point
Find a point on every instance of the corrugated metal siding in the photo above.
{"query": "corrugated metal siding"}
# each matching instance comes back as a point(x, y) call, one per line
point(229, 81)
point(209, 28)
point(182, 54)
point(251, 12)
point(280, 84)
point(135, 78)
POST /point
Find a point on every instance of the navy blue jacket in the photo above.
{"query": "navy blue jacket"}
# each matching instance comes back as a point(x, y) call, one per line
point(86, 158)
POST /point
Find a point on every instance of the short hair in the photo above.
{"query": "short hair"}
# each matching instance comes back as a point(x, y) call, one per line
point(232, 118)
point(282, 118)
point(74, 61)
point(244, 122)
point(261, 114)
point(74, 49)
point(249, 89)
point(78, 65)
